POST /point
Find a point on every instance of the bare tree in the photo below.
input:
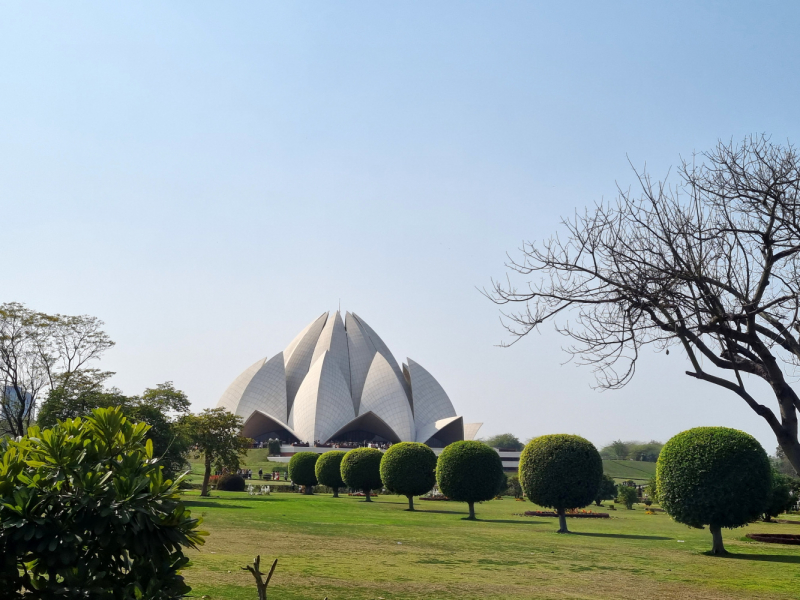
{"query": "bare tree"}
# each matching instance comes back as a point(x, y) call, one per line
point(710, 264)
point(39, 352)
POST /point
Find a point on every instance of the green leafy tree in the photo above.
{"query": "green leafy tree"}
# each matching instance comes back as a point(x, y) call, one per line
point(714, 476)
point(301, 470)
point(87, 513)
point(215, 434)
point(627, 495)
point(781, 498)
point(514, 486)
point(469, 471)
point(607, 490)
point(39, 352)
point(652, 489)
point(409, 469)
point(561, 471)
point(77, 396)
point(506, 441)
point(361, 470)
point(329, 470)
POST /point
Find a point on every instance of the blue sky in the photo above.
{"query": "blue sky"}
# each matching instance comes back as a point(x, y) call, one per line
point(208, 178)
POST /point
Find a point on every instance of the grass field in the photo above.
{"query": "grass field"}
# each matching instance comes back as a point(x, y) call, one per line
point(346, 549)
point(629, 469)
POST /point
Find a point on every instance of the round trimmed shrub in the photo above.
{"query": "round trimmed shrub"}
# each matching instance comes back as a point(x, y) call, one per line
point(469, 471)
point(714, 476)
point(361, 470)
point(329, 470)
point(231, 482)
point(301, 470)
point(409, 469)
point(560, 471)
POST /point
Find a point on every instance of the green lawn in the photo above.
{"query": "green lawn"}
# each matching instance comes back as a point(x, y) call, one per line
point(346, 549)
point(636, 470)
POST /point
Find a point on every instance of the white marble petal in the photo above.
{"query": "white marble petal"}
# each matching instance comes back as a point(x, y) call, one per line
point(266, 391)
point(230, 399)
point(387, 354)
point(362, 352)
point(471, 430)
point(384, 395)
point(297, 358)
point(323, 404)
point(431, 402)
point(333, 339)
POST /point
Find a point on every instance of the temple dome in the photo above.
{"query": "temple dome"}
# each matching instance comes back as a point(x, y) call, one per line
point(338, 381)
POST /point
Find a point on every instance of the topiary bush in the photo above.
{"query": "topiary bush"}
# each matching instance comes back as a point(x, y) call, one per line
point(514, 487)
point(562, 472)
point(361, 470)
point(780, 499)
point(231, 482)
point(714, 476)
point(469, 471)
point(409, 469)
point(86, 513)
point(302, 470)
point(274, 447)
point(627, 495)
point(607, 490)
point(329, 470)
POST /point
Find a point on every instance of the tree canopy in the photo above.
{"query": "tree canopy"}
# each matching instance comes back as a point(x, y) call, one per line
point(506, 441)
point(409, 469)
point(470, 471)
point(710, 264)
point(215, 434)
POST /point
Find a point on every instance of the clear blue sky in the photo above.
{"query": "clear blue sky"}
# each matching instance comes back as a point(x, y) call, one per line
point(207, 178)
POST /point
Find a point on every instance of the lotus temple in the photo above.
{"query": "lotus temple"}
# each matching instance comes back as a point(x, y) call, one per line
point(338, 382)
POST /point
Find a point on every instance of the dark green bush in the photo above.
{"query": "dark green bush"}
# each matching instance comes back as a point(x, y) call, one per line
point(469, 471)
point(562, 472)
point(714, 476)
point(231, 482)
point(274, 447)
point(361, 470)
point(302, 470)
point(627, 495)
point(514, 487)
point(780, 498)
point(329, 470)
point(607, 490)
point(86, 513)
point(409, 469)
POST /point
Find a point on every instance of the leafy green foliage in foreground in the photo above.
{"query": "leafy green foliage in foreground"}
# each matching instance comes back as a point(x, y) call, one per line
point(346, 549)
point(85, 512)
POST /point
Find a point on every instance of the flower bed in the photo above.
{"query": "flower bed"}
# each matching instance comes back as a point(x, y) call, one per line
point(362, 494)
point(574, 515)
point(775, 538)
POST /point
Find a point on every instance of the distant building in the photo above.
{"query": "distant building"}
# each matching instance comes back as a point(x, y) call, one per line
point(338, 382)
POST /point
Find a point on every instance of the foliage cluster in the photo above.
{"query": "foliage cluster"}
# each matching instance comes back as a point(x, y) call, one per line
point(469, 471)
point(409, 469)
point(328, 470)
point(632, 450)
point(301, 469)
point(505, 441)
point(87, 513)
point(361, 470)
point(231, 482)
point(215, 434)
point(607, 490)
point(627, 495)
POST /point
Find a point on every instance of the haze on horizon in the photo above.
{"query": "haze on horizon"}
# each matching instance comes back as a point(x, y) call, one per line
point(208, 178)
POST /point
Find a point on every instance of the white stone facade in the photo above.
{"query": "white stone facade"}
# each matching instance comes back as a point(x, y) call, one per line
point(337, 377)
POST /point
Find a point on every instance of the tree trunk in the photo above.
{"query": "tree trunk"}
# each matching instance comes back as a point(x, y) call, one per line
point(471, 516)
point(716, 536)
point(308, 490)
point(367, 495)
point(206, 477)
point(335, 492)
point(410, 502)
point(562, 521)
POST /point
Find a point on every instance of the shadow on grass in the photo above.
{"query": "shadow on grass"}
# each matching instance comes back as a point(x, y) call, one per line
point(621, 536)
point(778, 558)
point(526, 522)
point(205, 504)
point(443, 512)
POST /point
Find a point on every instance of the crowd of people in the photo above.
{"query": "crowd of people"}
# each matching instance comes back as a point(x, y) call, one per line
point(364, 444)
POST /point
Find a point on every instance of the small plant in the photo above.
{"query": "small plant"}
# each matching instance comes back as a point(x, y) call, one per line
point(231, 483)
point(606, 491)
point(627, 496)
point(302, 470)
point(469, 471)
point(361, 470)
point(409, 469)
point(714, 476)
point(328, 470)
point(274, 448)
